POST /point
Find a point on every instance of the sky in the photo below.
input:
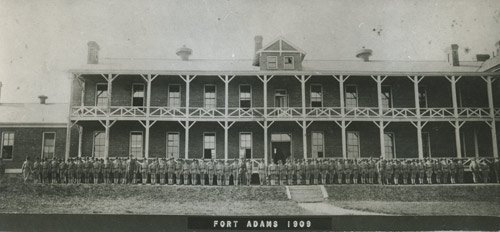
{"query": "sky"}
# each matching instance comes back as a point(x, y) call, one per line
point(40, 40)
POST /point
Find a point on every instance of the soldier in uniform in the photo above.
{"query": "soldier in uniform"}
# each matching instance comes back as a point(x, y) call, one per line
point(106, 169)
point(397, 172)
point(79, 170)
point(315, 171)
point(26, 169)
point(445, 167)
point(389, 171)
point(35, 170)
point(219, 171)
point(438, 171)
point(340, 171)
point(249, 169)
point(485, 171)
point(496, 169)
point(460, 171)
point(227, 172)
point(412, 168)
point(307, 171)
point(48, 167)
point(288, 172)
point(55, 170)
point(279, 170)
point(474, 167)
point(453, 171)
point(194, 172)
point(293, 170)
point(331, 171)
point(363, 170)
point(63, 172)
point(234, 171)
point(323, 169)
point(144, 170)
point(429, 170)
point(273, 173)
point(405, 170)
point(348, 171)
point(170, 171)
point(95, 170)
point(421, 171)
point(202, 167)
point(355, 171)
point(211, 171)
point(372, 170)
point(262, 172)
point(123, 170)
point(299, 171)
point(162, 170)
point(152, 169)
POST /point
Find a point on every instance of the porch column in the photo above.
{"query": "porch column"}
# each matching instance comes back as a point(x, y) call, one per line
point(226, 125)
point(418, 125)
point(341, 79)
point(187, 79)
point(489, 84)
point(304, 125)
point(380, 124)
point(456, 124)
point(107, 126)
point(187, 125)
point(476, 147)
point(80, 137)
point(226, 79)
point(343, 126)
point(109, 78)
point(265, 124)
point(148, 78)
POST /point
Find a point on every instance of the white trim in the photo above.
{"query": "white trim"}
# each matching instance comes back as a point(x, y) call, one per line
point(357, 95)
point(322, 146)
point(34, 125)
point(239, 94)
point(132, 94)
point(93, 141)
point(130, 143)
point(178, 147)
point(391, 100)
point(205, 92)
point(310, 93)
point(1, 145)
point(168, 95)
point(43, 143)
point(284, 62)
point(215, 145)
point(251, 143)
point(298, 50)
point(393, 138)
point(347, 143)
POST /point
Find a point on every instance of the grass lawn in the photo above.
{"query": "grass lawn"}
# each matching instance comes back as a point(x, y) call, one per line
point(479, 208)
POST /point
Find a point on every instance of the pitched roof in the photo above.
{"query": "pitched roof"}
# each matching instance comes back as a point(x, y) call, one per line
point(34, 113)
point(282, 45)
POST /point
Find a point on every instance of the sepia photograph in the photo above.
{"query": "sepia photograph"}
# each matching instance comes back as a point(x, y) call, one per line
point(289, 115)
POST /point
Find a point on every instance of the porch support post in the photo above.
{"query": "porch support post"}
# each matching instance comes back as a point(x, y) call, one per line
point(476, 147)
point(380, 124)
point(186, 140)
point(489, 84)
point(341, 79)
point(226, 125)
point(187, 79)
point(109, 78)
point(265, 126)
point(226, 79)
point(107, 126)
point(416, 80)
point(456, 124)
point(80, 140)
point(146, 139)
point(148, 78)
point(343, 126)
point(304, 126)
point(382, 139)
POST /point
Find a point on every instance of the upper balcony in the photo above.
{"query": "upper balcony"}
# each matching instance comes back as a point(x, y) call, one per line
point(278, 113)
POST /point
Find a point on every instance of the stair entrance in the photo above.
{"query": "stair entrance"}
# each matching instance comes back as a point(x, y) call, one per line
point(307, 193)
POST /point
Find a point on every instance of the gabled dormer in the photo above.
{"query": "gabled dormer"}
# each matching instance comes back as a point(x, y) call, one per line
point(280, 54)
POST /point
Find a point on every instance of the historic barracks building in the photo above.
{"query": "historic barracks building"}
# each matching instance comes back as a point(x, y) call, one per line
point(277, 105)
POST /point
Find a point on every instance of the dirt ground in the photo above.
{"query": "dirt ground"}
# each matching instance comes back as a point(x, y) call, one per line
point(478, 208)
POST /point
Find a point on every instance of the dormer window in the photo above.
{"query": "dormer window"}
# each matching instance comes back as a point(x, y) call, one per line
point(272, 62)
point(288, 62)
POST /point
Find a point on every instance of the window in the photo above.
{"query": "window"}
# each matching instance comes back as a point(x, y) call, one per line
point(138, 95)
point(317, 147)
point(209, 145)
point(389, 144)
point(272, 62)
point(422, 97)
point(352, 144)
point(210, 96)
point(426, 144)
point(281, 98)
point(351, 96)
point(49, 145)
point(386, 97)
point(246, 145)
point(101, 95)
point(99, 141)
point(136, 141)
point(173, 145)
point(288, 62)
point(174, 96)
point(245, 96)
point(316, 96)
point(7, 143)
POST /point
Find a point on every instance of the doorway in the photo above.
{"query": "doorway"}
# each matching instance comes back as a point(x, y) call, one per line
point(281, 147)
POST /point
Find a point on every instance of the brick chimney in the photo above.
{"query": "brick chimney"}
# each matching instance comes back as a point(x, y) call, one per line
point(43, 99)
point(184, 52)
point(93, 53)
point(364, 54)
point(453, 55)
point(258, 45)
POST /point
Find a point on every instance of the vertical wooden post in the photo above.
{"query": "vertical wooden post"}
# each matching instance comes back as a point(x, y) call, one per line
point(458, 146)
point(80, 137)
point(476, 147)
point(226, 143)
point(304, 139)
point(186, 140)
point(382, 139)
point(110, 90)
point(106, 141)
point(266, 149)
point(148, 105)
point(489, 84)
point(458, 143)
point(344, 140)
point(420, 147)
point(146, 139)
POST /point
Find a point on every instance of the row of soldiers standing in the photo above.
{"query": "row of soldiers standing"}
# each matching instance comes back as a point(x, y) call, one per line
point(299, 171)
